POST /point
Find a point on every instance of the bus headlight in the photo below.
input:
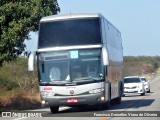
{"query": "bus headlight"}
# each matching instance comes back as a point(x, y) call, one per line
point(95, 91)
point(43, 102)
point(47, 94)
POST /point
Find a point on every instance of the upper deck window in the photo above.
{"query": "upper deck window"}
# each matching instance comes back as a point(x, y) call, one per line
point(69, 32)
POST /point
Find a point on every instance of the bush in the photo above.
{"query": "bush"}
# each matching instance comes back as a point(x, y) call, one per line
point(15, 75)
point(7, 84)
point(140, 65)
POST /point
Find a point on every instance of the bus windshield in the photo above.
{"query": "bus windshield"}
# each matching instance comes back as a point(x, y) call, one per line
point(70, 66)
point(69, 32)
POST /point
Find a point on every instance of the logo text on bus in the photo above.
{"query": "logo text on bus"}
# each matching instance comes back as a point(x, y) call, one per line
point(47, 88)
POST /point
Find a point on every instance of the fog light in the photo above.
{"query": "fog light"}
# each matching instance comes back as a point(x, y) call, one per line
point(102, 98)
point(43, 102)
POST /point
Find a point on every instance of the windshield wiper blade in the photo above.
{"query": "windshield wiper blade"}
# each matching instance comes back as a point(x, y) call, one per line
point(87, 78)
point(46, 83)
point(71, 84)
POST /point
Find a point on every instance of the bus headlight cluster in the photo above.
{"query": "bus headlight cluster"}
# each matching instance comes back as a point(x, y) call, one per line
point(47, 94)
point(95, 91)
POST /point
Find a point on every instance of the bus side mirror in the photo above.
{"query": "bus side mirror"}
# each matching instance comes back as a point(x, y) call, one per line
point(105, 56)
point(31, 61)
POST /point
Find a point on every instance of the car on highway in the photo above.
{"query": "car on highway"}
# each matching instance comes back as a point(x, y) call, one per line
point(133, 85)
point(146, 84)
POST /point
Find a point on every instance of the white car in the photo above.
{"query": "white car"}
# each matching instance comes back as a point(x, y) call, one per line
point(133, 85)
point(146, 84)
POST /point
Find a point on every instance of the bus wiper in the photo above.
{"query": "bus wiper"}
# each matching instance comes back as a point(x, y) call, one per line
point(46, 83)
point(87, 78)
point(95, 79)
point(59, 82)
point(50, 82)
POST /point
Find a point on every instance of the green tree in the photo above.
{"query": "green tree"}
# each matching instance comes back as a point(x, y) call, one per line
point(17, 19)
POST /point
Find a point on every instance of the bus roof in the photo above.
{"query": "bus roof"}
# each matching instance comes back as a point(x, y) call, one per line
point(74, 16)
point(69, 16)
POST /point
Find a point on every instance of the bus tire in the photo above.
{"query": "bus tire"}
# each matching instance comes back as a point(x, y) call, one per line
point(54, 109)
point(108, 103)
point(118, 99)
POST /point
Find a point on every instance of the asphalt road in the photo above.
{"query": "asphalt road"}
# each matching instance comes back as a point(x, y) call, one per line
point(134, 104)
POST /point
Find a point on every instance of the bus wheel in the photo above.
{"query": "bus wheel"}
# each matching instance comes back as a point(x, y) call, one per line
point(54, 109)
point(108, 103)
point(118, 99)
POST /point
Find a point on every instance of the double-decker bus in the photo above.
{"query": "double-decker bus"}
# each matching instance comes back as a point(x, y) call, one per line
point(80, 60)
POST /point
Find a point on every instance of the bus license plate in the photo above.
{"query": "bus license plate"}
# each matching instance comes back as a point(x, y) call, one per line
point(72, 100)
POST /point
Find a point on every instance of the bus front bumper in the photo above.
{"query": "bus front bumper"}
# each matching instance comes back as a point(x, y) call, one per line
point(90, 99)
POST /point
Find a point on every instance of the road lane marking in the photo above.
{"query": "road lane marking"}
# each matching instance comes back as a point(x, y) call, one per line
point(144, 97)
point(64, 108)
point(20, 118)
point(104, 118)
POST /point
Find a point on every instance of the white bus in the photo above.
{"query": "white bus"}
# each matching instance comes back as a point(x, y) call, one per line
point(80, 60)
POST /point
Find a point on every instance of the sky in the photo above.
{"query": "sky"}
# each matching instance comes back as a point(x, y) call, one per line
point(137, 20)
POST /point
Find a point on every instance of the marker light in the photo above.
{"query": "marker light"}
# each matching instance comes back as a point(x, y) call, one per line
point(95, 91)
point(102, 98)
point(43, 102)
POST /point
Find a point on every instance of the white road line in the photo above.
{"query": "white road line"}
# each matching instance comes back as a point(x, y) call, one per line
point(20, 118)
point(63, 108)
